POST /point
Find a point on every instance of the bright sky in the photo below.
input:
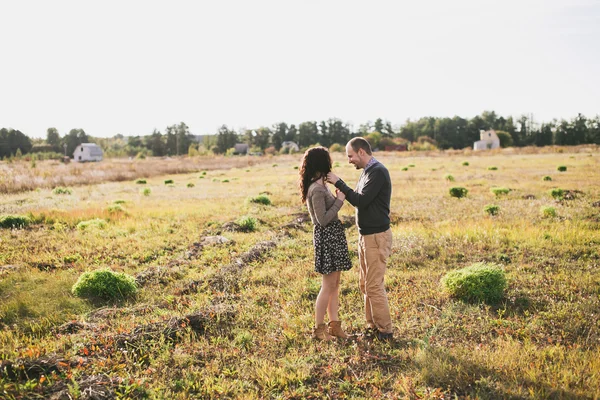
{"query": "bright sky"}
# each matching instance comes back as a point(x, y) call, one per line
point(131, 66)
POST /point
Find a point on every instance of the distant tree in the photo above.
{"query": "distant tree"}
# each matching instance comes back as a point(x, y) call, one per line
point(134, 141)
point(280, 131)
point(12, 142)
point(53, 139)
point(543, 137)
point(226, 139)
point(292, 134)
point(156, 144)
point(505, 139)
point(74, 138)
point(262, 137)
point(594, 130)
point(308, 133)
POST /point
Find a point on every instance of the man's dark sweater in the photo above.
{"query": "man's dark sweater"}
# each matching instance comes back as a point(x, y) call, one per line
point(371, 199)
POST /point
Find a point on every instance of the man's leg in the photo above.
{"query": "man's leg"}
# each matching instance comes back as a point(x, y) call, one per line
point(362, 273)
point(377, 249)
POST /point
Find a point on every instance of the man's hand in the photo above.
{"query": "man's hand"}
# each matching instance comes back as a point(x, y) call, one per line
point(332, 178)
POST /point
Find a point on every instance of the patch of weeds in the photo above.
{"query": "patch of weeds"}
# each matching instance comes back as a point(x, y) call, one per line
point(116, 209)
point(561, 168)
point(492, 168)
point(105, 284)
point(499, 191)
point(465, 163)
point(260, 199)
point(411, 165)
point(61, 190)
point(557, 193)
point(190, 185)
point(458, 192)
point(547, 178)
point(14, 221)
point(405, 169)
point(146, 192)
point(119, 202)
point(168, 181)
point(225, 180)
point(449, 178)
point(275, 165)
point(92, 223)
point(492, 209)
point(140, 182)
point(479, 282)
point(548, 211)
point(247, 223)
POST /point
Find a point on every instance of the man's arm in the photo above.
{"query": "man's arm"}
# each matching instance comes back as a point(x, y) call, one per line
point(369, 192)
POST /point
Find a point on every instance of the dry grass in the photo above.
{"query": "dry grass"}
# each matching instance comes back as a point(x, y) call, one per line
point(234, 320)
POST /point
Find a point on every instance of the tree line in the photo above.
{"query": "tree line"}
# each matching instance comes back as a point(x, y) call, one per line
point(423, 134)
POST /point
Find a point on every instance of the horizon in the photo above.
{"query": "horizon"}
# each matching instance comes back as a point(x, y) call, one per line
point(130, 68)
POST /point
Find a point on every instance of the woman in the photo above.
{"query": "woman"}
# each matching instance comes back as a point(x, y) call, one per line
point(329, 239)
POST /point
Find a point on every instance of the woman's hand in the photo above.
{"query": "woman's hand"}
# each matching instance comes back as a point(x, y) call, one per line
point(340, 195)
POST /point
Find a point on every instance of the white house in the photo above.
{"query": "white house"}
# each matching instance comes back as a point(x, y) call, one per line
point(488, 140)
point(290, 145)
point(87, 152)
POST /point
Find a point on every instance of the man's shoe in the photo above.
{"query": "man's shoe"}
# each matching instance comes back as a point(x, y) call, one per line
point(384, 337)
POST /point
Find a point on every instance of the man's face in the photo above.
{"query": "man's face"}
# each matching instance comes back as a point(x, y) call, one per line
point(354, 157)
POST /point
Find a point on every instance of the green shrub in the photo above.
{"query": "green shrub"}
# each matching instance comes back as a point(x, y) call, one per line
point(405, 169)
point(247, 224)
point(116, 209)
point(146, 192)
point(449, 178)
point(548, 211)
point(104, 284)
point(260, 199)
point(190, 185)
point(479, 282)
point(547, 178)
point(274, 165)
point(62, 190)
point(492, 209)
point(499, 191)
point(465, 163)
point(92, 223)
point(337, 148)
point(168, 181)
point(557, 193)
point(119, 202)
point(225, 180)
point(141, 182)
point(492, 168)
point(411, 165)
point(203, 173)
point(14, 221)
point(458, 192)
point(562, 168)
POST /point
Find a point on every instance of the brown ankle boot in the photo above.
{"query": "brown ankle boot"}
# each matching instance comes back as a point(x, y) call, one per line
point(335, 329)
point(320, 333)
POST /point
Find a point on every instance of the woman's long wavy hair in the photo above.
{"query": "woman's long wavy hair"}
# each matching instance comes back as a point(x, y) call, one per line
point(316, 164)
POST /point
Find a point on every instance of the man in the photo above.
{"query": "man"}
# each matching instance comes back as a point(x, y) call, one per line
point(372, 202)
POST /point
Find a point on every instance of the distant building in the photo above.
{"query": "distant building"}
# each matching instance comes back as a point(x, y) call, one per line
point(291, 146)
point(87, 152)
point(241, 148)
point(488, 140)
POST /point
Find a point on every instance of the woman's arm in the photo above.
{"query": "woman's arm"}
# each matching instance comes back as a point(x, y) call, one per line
point(322, 214)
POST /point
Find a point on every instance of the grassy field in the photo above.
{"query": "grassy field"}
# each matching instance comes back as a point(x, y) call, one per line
point(233, 320)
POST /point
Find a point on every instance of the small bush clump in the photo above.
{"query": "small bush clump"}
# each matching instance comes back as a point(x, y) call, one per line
point(492, 168)
point(465, 163)
point(547, 178)
point(119, 202)
point(562, 168)
point(14, 221)
point(190, 185)
point(557, 193)
point(105, 285)
point(411, 165)
point(405, 169)
point(146, 192)
point(449, 178)
point(458, 192)
point(548, 211)
point(116, 209)
point(92, 223)
point(140, 182)
point(260, 199)
point(492, 209)
point(62, 190)
point(499, 191)
point(168, 181)
point(247, 224)
point(479, 282)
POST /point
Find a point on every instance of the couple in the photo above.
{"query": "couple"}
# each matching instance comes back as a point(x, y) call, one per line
point(372, 202)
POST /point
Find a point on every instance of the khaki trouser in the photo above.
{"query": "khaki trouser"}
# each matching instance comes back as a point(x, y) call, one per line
point(373, 252)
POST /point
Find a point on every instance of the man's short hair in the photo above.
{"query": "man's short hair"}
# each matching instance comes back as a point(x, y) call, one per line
point(360, 143)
